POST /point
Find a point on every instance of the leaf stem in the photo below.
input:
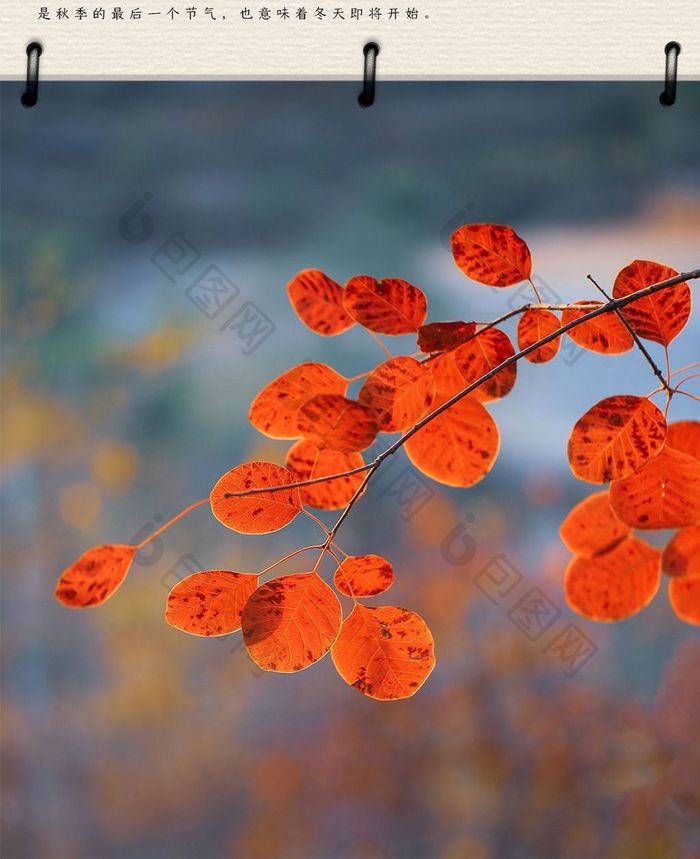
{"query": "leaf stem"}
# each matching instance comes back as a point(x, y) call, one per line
point(380, 343)
point(171, 522)
point(287, 557)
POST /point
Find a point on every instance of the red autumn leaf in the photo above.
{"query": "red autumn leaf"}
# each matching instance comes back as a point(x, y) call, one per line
point(458, 447)
point(592, 527)
point(95, 576)
point(291, 622)
point(681, 556)
point(210, 602)
point(615, 437)
point(605, 334)
point(318, 301)
point(664, 493)
point(684, 594)
point(385, 652)
point(364, 576)
point(453, 371)
point(274, 411)
point(492, 254)
point(533, 325)
point(398, 393)
point(441, 336)
point(615, 585)
point(261, 512)
point(336, 423)
point(389, 306)
point(306, 461)
point(658, 317)
point(685, 436)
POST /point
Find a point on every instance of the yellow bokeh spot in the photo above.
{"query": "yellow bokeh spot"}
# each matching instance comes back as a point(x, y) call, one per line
point(114, 465)
point(80, 504)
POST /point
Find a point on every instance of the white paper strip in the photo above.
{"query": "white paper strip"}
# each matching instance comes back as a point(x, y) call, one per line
point(480, 39)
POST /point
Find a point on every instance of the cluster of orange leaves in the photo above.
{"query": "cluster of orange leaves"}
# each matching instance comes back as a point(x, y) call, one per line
point(291, 621)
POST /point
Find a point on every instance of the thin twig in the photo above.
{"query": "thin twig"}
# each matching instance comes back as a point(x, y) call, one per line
point(642, 348)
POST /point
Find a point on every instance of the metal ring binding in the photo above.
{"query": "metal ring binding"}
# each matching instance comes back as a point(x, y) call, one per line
point(668, 96)
point(30, 95)
point(366, 97)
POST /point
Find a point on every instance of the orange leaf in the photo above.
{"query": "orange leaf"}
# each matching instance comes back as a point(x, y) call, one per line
point(318, 301)
point(307, 461)
point(605, 334)
point(533, 325)
point(682, 555)
point(453, 371)
point(398, 392)
point(261, 512)
point(615, 585)
point(684, 594)
point(440, 336)
point(389, 306)
point(664, 493)
point(95, 576)
point(337, 423)
point(210, 602)
point(658, 317)
point(685, 436)
point(492, 254)
point(291, 622)
point(275, 409)
point(592, 527)
point(364, 576)
point(615, 437)
point(385, 652)
point(458, 447)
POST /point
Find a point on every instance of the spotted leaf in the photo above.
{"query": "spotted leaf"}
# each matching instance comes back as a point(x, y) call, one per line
point(95, 576)
point(318, 301)
point(592, 527)
point(398, 393)
point(664, 493)
point(681, 556)
point(492, 254)
point(684, 595)
point(615, 438)
point(260, 512)
point(364, 576)
point(336, 423)
point(275, 410)
point(658, 317)
point(615, 585)
point(455, 370)
point(441, 336)
point(291, 622)
point(389, 306)
point(605, 334)
point(385, 652)
point(306, 461)
point(458, 447)
point(533, 325)
point(210, 602)
point(685, 437)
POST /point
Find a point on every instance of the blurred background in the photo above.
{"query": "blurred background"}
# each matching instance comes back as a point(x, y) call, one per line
point(125, 394)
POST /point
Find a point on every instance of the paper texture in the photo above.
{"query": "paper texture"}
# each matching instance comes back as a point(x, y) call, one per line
point(167, 39)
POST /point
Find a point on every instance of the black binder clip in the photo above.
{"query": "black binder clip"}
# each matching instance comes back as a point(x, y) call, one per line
point(366, 97)
point(30, 95)
point(668, 96)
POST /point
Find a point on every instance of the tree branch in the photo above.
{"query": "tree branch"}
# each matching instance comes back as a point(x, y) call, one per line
point(370, 467)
